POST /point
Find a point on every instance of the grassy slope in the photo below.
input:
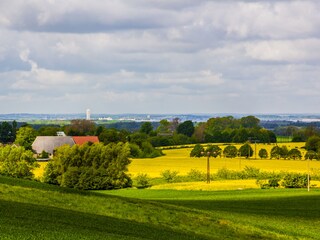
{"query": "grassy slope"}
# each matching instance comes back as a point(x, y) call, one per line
point(32, 210)
point(290, 212)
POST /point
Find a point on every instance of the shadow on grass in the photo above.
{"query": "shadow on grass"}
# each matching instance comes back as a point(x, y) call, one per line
point(30, 221)
point(306, 207)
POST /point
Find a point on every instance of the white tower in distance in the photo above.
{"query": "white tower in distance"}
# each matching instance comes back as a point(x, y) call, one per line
point(88, 117)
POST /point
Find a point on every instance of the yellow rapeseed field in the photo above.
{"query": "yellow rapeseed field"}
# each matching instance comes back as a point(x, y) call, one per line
point(179, 160)
point(216, 185)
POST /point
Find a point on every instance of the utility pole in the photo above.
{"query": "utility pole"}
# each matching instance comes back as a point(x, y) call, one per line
point(208, 163)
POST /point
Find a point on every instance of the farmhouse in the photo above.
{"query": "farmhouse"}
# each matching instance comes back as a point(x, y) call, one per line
point(50, 143)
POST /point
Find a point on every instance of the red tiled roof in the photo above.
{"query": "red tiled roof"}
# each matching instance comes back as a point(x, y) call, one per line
point(79, 140)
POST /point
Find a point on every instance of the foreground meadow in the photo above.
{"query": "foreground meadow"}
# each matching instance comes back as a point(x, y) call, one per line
point(279, 213)
point(33, 210)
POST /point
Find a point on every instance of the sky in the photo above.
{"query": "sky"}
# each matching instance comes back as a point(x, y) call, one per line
point(159, 56)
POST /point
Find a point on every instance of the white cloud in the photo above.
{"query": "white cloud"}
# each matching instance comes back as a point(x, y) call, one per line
point(286, 50)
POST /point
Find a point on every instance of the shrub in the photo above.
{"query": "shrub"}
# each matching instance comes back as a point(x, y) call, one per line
point(169, 176)
point(295, 180)
point(268, 183)
point(251, 172)
point(225, 173)
point(142, 180)
point(196, 175)
point(274, 182)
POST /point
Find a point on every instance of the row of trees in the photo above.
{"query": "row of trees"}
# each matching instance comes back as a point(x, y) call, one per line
point(246, 151)
point(143, 142)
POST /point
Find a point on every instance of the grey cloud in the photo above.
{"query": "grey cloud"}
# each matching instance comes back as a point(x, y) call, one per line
point(178, 56)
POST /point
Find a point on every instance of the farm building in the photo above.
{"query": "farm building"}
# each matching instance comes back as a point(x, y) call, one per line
point(80, 140)
point(49, 143)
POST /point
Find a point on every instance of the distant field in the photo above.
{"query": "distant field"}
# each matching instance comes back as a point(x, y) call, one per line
point(179, 160)
point(284, 139)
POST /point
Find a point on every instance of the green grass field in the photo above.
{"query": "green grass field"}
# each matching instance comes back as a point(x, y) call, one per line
point(33, 210)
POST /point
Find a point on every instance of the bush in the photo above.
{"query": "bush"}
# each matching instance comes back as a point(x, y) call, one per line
point(142, 180)
point(268, 183)
point(274, 182)
point(295, 180)
point(169, 176)
point(251, 172)
point(196, 175)
point(225, 173)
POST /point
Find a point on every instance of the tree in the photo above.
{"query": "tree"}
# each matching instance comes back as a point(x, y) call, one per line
point(199, 132)
point(17, 162)
point(186, 128)
point(241, 135)
point(96, 166)
point(263, 153)
point(146, 128)
point(174, 124)
point(214, 150)
point(246, 150)
point(230, 151)
point(250, 122)
point(311, 155)
point(164, 126)
point(313, 143)
point(197, 151)
point(25, 137)
point(294, 154)
point(8, 132)
point(48, 131)
point(279, 152)
point(109, 135)
point(80, 127)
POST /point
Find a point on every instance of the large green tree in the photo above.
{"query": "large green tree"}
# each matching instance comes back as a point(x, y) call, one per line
point(96, 166)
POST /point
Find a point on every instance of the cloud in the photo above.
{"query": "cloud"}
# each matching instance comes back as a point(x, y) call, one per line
point(301, 50)
point(139, 55)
